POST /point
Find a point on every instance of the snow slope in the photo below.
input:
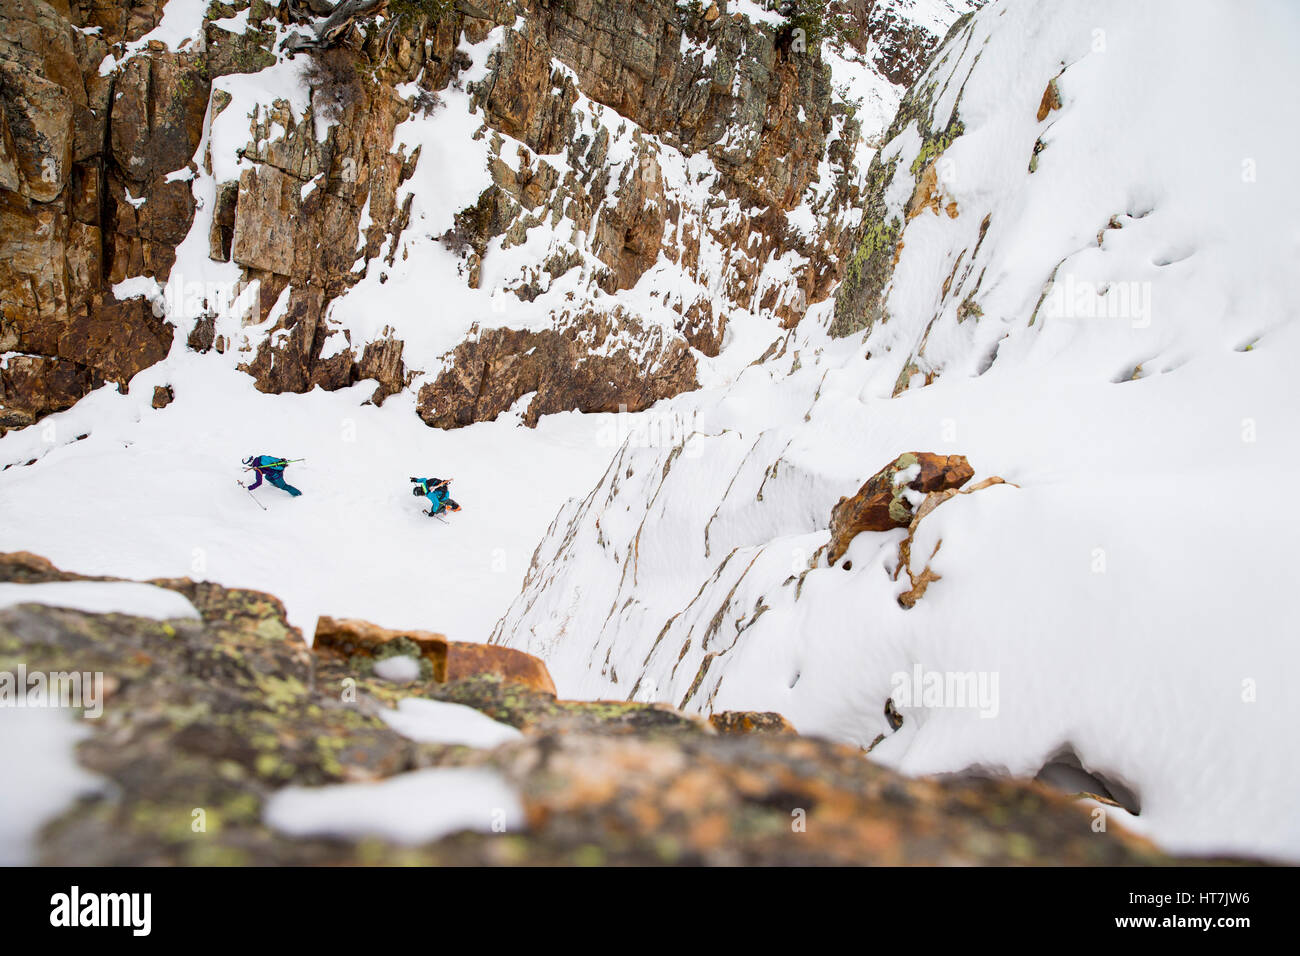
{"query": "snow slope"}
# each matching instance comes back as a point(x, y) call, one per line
point(153, 494)
point(1124, 597)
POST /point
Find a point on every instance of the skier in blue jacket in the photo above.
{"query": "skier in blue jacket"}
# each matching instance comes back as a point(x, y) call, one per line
point(272, 469)
point(435, 489)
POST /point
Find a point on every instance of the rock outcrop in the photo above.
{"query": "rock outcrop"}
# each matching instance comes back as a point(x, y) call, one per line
point(221, 713)
point(902, 44)
point(699, 81)
point(85, 198)
point(888, 498)
point(600, 363)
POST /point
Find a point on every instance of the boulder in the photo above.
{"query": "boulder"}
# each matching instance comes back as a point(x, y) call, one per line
point(883, 502)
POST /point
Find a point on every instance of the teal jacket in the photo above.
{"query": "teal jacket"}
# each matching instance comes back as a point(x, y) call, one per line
point(435, 489)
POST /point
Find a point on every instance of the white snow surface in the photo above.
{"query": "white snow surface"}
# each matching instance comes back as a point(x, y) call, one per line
point(101, 597)
point(38, 752)
point(412, 808)
point(442, 722)
point(399, 670)
point(153, 494)
point(1129, 592)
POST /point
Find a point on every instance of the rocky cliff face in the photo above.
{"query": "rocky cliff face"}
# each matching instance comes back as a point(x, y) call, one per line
point(71, 221)
point(633, 176)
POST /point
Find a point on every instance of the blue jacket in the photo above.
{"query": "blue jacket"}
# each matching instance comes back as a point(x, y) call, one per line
point(435, 490)
point(272, 469)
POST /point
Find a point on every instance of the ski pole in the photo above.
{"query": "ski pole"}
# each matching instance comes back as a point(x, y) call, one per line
point(251, 495)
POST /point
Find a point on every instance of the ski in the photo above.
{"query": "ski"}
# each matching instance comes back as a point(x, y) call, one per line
point(250, 494)
point(275, 464)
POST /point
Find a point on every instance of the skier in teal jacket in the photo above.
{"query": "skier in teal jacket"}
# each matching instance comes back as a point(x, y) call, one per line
point(272, 469)
point(435, 489)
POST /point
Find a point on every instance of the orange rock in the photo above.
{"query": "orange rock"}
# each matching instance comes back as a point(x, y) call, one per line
point(452, 660)
point(751, 722)
point(929, 195)
point(880, 504)
point(464, 659)
point(24, 566)
point(920, 581)
point(1051, 100)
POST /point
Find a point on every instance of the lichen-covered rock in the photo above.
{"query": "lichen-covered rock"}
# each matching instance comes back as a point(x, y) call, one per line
point(886, 499)
point(859, 301)
point(204, 720)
